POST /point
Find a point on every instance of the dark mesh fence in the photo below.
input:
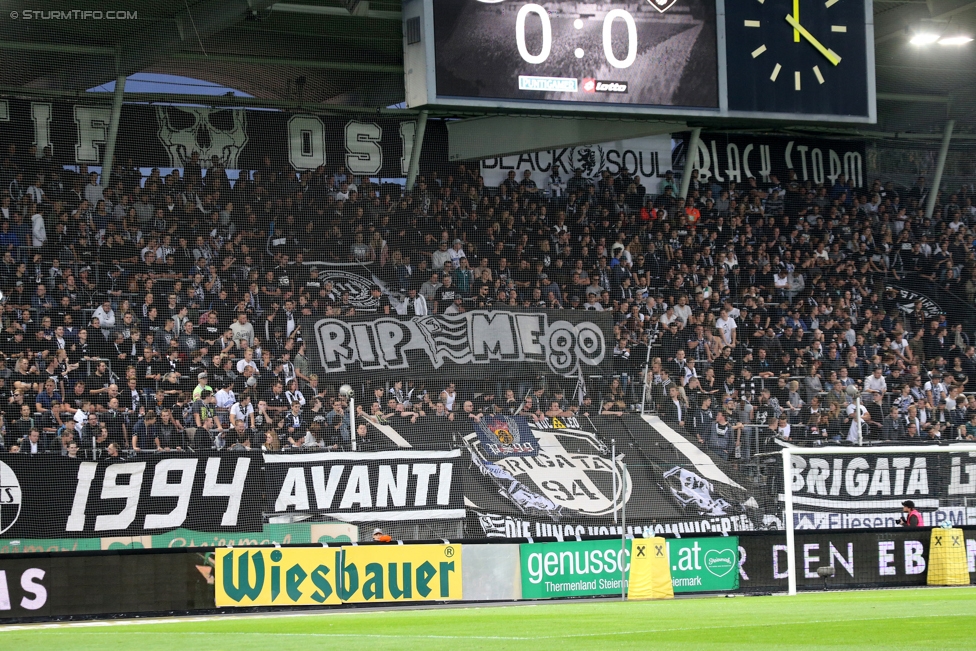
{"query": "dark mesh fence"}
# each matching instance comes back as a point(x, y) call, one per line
point(252, 331)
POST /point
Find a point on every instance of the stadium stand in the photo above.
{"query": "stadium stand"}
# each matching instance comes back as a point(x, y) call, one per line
point(166, 312)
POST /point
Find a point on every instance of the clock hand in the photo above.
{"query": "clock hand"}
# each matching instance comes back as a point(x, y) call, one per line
point(830, 54)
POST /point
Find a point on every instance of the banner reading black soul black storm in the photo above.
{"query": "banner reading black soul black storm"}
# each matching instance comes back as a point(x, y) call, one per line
point(725, 157)
point(52, 496)
point(395, 486)
point(166, 136)
point(526, 343)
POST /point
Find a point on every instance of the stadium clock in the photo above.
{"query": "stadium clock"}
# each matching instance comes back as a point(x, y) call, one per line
point(797, 56)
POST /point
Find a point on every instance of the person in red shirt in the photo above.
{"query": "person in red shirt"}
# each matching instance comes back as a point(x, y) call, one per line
point(380, 536)
point(912, 518)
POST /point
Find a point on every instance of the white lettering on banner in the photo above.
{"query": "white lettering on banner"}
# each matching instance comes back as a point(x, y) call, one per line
point(161, 487)
point(423, 486)
point(92, 122)
point(914, 557)
point(113, 490)
point(886, 558)
point(848, 562)
point(956, 487)
point(816, 476)
point(365, 155)
point(41, 115)
point(792, 156)
point(187, 468)
point(477, 336)
point(408, 135)
point(30, 583)
point(809, 559)
point(646, 158)
point(307, 149)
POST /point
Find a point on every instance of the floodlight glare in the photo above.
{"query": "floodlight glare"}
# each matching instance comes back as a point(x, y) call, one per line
point(924, 38)
point(955, 40)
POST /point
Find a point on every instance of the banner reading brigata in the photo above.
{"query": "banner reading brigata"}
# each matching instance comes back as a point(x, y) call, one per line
point(49, 496)
point(322, 576)
point(560, 342)
point(866, 492)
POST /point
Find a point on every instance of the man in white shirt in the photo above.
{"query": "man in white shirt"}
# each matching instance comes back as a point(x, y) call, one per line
point(243, 410)
point(247, 360)
point(243, 331)
point(225, 397)
point(413, 305)
point(106, 317)
point(876, 383)
point(854, 431)
point(683, 311)
point(727, 328)
point(935, 390)
point(38, 231)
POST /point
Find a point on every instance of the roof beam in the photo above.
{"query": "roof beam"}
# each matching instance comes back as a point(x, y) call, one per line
point(290, 63)
point(137, 50)
point(318, 10)
point(55, 48)
point(909, 97)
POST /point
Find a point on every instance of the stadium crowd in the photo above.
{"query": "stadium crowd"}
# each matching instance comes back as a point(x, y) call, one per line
point(166, 312)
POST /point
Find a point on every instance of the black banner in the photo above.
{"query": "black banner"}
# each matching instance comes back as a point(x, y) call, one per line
point(865, 492)
point(166, 136)
point(69, 585)
point(861, 559)
point(576, 487)
point(564, 343)
point(726, 157)
point(50, 496)
point(394, 486)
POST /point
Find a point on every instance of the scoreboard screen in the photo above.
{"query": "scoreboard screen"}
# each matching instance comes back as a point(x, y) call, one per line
point(773, 59)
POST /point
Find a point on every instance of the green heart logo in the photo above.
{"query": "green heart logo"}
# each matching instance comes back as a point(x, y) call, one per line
point(720, 562)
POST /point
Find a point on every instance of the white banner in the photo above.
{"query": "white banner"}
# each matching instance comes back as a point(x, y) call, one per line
point(647, 158)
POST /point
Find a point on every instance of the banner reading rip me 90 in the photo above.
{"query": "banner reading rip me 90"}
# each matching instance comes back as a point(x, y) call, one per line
point(317, 577)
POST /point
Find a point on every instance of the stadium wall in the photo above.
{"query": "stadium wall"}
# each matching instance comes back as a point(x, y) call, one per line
point(82, 585)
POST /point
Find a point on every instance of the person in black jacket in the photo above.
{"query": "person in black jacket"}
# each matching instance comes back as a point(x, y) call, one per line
point(675, 410)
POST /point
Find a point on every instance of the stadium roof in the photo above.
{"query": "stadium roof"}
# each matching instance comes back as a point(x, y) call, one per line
point(347, 55)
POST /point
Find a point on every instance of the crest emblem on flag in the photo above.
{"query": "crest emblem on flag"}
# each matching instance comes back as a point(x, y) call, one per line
point(507, 436)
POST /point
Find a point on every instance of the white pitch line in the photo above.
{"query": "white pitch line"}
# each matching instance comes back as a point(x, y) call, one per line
point(840, 618)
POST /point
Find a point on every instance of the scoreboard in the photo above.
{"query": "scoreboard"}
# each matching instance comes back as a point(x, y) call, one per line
point(771, 59)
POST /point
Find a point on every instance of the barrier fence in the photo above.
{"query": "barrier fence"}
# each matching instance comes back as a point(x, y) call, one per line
point(134, 582)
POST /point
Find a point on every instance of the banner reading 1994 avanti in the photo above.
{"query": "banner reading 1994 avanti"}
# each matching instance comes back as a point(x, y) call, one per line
point(323, 576)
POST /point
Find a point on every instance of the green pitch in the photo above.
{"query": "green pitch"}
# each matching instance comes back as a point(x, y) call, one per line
point(895, 619)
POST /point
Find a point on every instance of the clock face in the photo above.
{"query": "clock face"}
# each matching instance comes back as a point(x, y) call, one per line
point(797, 56)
